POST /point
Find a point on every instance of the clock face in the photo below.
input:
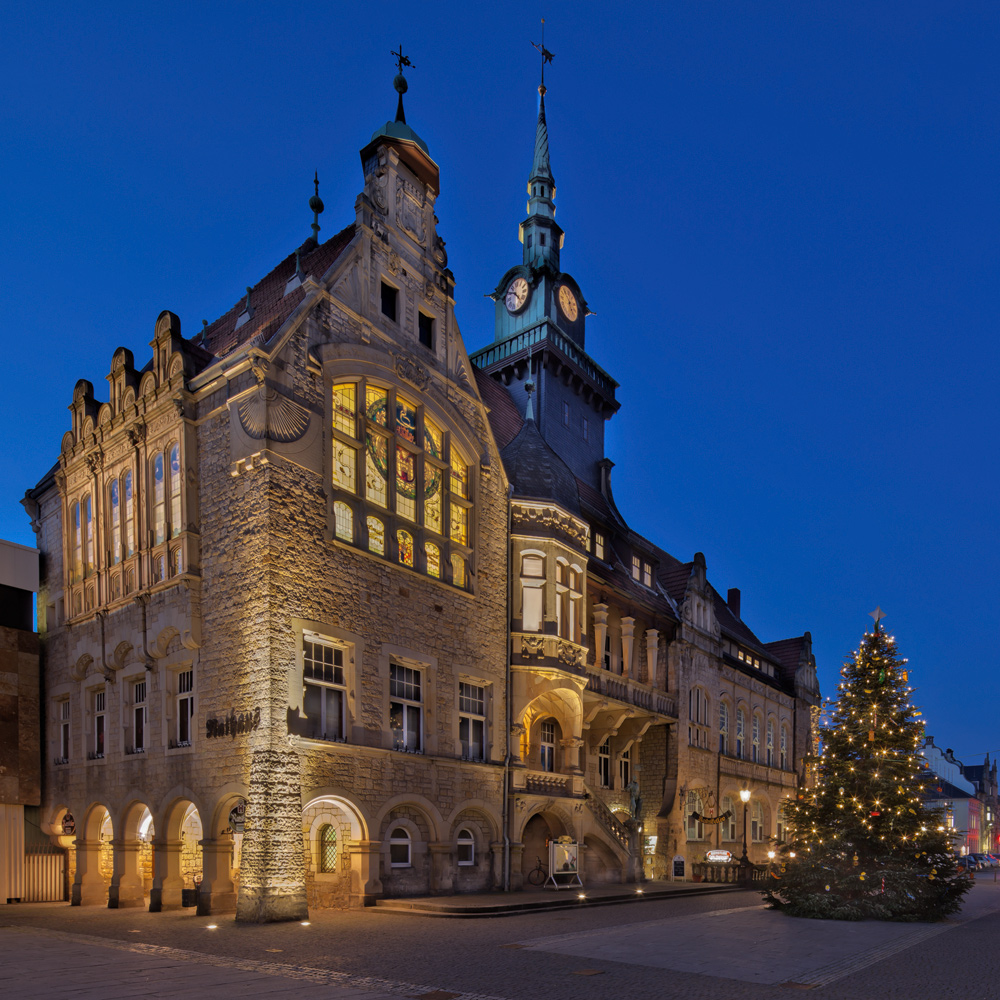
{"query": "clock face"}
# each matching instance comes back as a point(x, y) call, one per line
point(567, 303)
point(517, 295)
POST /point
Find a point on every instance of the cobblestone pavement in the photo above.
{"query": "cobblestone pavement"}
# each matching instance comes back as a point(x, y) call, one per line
point(725, 947)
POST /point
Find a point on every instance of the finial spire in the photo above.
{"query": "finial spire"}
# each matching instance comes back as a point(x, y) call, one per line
point(547, 57)
point(316, 204)
point(529, 414)
point(400, 81)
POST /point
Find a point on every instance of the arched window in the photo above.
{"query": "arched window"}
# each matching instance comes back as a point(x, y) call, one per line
point(327, 848)
point(547, 746)
point(404, 546)
point(532, 591)
point(723, 728)
point(175, 491)
point(755, 750)
point(159, 500)
point(466, 847)
point(128, 540)
point(88, 536)
point(729, 822)
point(399, 848)
point(343, 518)
point(389, 453)
point(433, 556)
point(376, 536)
point(769, 745)
point(693, 810)
point(114, 503)
point(76, 531)
point(783, 748)
point(756, 821)
point(741, 732)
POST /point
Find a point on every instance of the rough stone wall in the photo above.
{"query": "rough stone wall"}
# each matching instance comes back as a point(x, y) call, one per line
point(20, 762)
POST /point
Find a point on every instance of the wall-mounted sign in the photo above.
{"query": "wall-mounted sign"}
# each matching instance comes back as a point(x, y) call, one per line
point(719, 857)
point(68, 825)
point(234, 724)
point(678, 866)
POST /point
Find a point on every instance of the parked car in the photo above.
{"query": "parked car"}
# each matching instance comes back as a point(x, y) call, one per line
point(967, 864)
point(985, 861)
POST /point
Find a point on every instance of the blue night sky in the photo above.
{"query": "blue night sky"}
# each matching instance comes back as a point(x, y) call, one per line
point(784, 215)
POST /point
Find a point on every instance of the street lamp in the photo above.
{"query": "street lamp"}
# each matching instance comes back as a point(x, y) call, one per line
point(745, 861)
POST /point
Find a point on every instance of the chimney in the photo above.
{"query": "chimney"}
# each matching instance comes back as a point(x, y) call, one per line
point(733, 600)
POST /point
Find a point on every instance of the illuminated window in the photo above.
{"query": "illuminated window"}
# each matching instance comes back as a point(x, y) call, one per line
point(472, 720)
point(458, 570)
point(598, 544)
point(783, 748)
point(635, 567)
point(647, 575)
point(604, 764)
point(741, 731)
point(405, 708)
point(325, 692)
point(569, 600)
point(388, 453)
point(723, 727)
point(769, 746)
point(728, 822)
point(693, 811)
point(327, 849)
point(532, 591)
point(88, 536)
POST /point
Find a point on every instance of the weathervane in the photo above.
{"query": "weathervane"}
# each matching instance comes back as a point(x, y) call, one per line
point(547, 57)
point(878, 614)
point(400, 82)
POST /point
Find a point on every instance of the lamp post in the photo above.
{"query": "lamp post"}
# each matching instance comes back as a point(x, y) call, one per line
point(745, 861)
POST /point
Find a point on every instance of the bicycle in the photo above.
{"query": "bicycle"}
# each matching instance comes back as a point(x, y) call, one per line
point(538, 874)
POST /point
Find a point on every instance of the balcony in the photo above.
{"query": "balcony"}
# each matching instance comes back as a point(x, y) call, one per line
point(547, 783)
point(630, 692)
point(757, 773)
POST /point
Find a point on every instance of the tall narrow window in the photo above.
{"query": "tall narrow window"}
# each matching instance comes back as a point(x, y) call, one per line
point(404, 547)
point(625, 768)
point(114, 501)
point(139, 716)
point(647, 575)
point(76, 530)
point(185, 707)
point(769, 746)
point(376, 536)
point(175, 491)
point(344, 520)
point(426, 330)
point(128, 543)
point(568, 600)
point(159, 498)
point(604, 764)
point(783, 748)
point(325, 692)
point(399, 848)
point(599, 545)
point(547, 748)
point(756, 822)
point(389, 297)
point(723, 728)
point(693, 812)
point(433, 556)
point(607, 659)
point(327, 848)
point(635, 567)
point(64, 730)
point(472, 720)
point(728, 822)
point(458, 576)
point(88, 536)
point(740, 732)
point(100, 723)
point(405, 708)
point(755, 746)
point(532, 591)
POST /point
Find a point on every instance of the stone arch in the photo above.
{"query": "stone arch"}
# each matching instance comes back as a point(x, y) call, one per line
point(565, 706)
point(147, 385)
point(483, 871)
point(178, 862)
point(133, 855)
point(601, 862)
point(349, 881)
point(540, 825)
point(94, 859)
point(423, 824)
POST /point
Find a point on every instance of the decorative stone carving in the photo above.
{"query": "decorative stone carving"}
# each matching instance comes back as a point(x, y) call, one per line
point(266, 413)
point(550, 517)
point(136, 433)
point(394, 264)
point(439, 252)
point(568, 653)
point(377, 189)
point(532, 646)
point(411, 372)
point(410, 213)
point(95, 462)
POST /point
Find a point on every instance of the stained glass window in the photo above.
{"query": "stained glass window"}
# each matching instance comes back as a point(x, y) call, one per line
point(459, 524)
point(376, 401)
point(345, 460)
point(459, 477)
point(457, 570)
point(406, 483)
point(175, 491)
point(344, 408)
point(433, 554)
point(344, 519)
point(406, 419)
point(376, 536)
point(88, 536)
point(159, 516)
point(376, 464)
point(404, 541)
point(432, 501)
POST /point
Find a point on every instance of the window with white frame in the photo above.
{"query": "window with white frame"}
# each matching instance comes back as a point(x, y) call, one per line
point(472, 720)
point(532, 591)
point(547, 745)
point(604, 764)
point(399, 848)
point(406, 708)
point(647, 575)
point(769, 744)
point(723, 728)
point(100, 723)
point(783, 748)
point(64, 730)
point(466, 845)
point(139, 716)
point(755, 739)
point(756, 822)
point(625, 768)
point(324, 688)
point(693, 812)
point(569, 600)
point(185, 708)
point(728, 822)
point(741, 732)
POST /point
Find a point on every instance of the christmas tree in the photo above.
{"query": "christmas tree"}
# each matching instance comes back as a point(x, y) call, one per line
point(862, 845)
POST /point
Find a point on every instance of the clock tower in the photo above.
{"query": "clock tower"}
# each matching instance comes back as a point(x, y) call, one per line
point(538, 348)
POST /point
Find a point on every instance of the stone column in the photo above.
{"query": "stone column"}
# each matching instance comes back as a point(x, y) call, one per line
point(516, 856)
point(167, 881)
point(496, 859)
point(628, 639)
point(217, 893)
point(517, 730)
point(366, 886)
point(571, 754)
point(273, 868)
point(600, 632)
point(442, 872)
point(652, 658)
point(89, 888)
point(126, 888)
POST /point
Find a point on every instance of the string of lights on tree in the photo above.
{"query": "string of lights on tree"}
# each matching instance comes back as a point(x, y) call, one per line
point(861, 843)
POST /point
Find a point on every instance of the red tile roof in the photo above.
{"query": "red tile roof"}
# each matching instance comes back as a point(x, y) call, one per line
point(271, 307)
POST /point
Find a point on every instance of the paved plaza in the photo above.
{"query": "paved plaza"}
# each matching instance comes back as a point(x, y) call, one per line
point(724, 946)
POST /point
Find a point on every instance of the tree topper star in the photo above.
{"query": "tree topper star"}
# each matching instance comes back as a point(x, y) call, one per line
point(878, 614)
